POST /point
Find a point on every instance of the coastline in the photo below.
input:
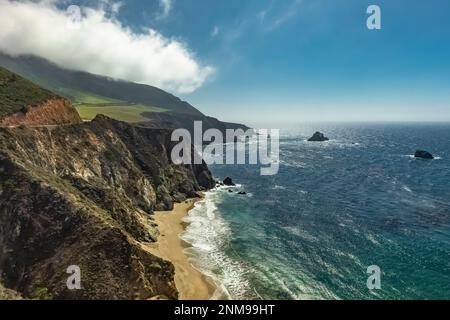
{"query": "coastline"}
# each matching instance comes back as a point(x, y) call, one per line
point(191, 283)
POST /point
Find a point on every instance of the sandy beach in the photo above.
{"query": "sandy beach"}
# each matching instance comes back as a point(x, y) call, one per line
point(191, 284)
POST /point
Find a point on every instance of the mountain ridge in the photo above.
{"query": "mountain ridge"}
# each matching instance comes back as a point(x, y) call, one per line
point(55, 78)
point(103, 92)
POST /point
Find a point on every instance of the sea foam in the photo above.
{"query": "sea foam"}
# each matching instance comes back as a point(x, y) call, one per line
point(209, 236)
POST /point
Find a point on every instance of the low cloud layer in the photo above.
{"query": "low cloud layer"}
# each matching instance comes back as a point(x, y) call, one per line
point(93, 41)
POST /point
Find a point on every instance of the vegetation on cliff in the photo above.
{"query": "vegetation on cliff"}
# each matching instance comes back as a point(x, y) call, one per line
point(17, 94)
point(24, 103)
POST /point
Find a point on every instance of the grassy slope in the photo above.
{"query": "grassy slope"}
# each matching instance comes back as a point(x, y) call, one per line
point(85, 97)
point(87, 90)
point(122, 112)
point(16, 93)
point(89, 105)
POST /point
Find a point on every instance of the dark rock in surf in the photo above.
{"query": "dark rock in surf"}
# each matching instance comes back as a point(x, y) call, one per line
point(318, 137)
point(219, 183)
point(228, 182)
point(423, 154)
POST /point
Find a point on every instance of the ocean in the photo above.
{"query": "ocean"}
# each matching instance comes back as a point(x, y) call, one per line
point(334, 209)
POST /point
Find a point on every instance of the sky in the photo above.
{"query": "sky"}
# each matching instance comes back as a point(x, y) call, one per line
point(257, 61)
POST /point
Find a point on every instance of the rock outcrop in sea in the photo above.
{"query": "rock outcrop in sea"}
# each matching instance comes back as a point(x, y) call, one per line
point(228, 182)
point(423, 154)
point(318, 137)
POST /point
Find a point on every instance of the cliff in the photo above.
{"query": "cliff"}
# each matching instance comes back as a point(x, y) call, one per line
point(6, 294)
point(174, 121)
point(56, 111)
point(24, 103)
point(84, 195)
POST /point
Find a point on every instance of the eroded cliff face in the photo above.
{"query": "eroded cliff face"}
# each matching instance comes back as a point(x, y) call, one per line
point(57, 111)
point(84, 195)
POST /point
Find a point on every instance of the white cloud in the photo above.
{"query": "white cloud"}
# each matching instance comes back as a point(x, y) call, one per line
point(286, 14)
point(215, 31)
point(166, 6)
point(98, 43)
point(262, 15)
point(115, 7)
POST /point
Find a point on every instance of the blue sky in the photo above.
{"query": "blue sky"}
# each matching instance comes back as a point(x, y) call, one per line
point(287, 61)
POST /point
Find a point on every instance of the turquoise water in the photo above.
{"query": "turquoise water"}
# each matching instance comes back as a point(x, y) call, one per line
point(334, 209)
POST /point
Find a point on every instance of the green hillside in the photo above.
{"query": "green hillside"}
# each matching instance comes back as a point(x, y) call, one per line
point(16, 93)
point(89, 105)
point(118, 111)
point(117, 99)
point(83, 87)
point(83, 97)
